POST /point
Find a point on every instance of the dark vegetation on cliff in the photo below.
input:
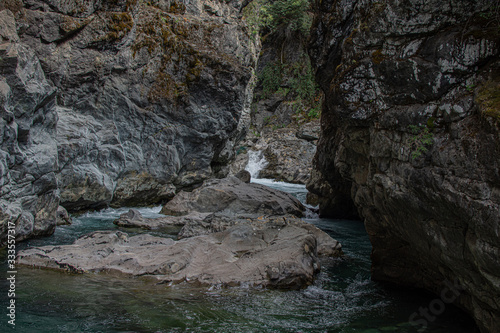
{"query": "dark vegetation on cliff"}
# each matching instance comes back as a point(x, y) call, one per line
point(286, 92)
point(287, 101)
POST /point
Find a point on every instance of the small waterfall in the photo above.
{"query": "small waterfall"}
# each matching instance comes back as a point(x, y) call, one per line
point(256, 162)
point(312, 212)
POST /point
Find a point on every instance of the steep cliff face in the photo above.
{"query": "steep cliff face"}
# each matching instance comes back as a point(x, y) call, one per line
point(123, 101)
point(411, 139)
point(28, 155)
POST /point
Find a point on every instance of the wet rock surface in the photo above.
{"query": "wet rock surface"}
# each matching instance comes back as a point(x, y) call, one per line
point(407, 142)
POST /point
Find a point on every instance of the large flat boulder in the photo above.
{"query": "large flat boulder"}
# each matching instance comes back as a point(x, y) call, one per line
point(232, 196)
point(198, 224)
point(271, 257)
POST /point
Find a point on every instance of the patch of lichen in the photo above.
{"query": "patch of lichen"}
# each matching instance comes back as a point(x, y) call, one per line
point(160, 31)
point(119, 25)
point(195, 69)
point(119, 5)
point(349, 39)
point(71, 24)
point(342, 71)
point(177, 8)
point(166, 88)
point(378, 57)
point(15, 6)
point(81, 8)
point(185, 48)
point(370, 13)
point(172, 38)
point(488, 99)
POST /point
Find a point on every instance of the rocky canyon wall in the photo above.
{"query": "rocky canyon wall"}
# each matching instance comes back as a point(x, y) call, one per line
point(411, 139)
point(117, 102)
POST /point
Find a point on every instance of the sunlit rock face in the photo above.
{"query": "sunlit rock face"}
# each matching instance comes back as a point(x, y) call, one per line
point(117, 102)
point(410, 140)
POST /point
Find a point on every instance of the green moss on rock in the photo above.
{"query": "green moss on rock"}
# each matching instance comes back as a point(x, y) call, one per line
point(378, 57)
point(488, 99)
point(119, 25)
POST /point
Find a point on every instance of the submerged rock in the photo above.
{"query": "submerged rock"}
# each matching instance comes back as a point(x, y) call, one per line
point(232, 196)
point(279, 258)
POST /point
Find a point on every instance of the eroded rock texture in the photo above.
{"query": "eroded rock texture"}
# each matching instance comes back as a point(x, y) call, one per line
point(29, 196)
point(281, 258)
point(117, 102)
point(197, 224)
point(233, 197)
point(410, 139)
point(288, 154)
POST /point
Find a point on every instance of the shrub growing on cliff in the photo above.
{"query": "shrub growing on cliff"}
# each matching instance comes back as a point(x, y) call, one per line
point(421, 141)
point(271, 78)
point(292, 15)
point(295, 82)
point(268, 16)
point(286, 22)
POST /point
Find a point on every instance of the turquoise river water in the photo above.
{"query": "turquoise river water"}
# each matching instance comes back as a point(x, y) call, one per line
point(343, 298)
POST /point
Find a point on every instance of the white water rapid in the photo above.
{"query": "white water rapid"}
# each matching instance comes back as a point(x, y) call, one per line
point(256, 162)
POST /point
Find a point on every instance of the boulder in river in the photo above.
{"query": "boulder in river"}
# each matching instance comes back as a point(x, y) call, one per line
point(242, 255)
point(231, 196)
point(62, 216)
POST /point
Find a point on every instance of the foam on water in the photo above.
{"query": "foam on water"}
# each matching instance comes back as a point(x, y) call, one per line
point(256, 162)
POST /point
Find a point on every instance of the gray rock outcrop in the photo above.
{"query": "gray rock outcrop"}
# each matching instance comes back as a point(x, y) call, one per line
point(289, 156)
point(276, 258)
point(134, 219)
point(410, 140)
point(63, 217)
point(232, 197)
point(197, 224)
point(117, 102)
point(29, 195)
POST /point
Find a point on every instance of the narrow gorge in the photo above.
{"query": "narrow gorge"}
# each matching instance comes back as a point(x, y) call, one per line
point(388, 111)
